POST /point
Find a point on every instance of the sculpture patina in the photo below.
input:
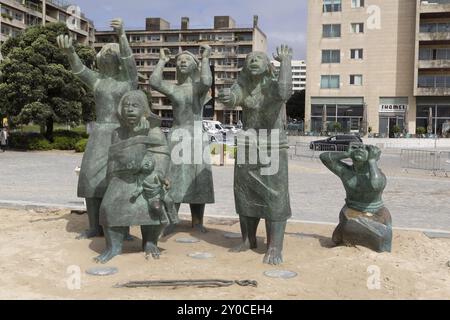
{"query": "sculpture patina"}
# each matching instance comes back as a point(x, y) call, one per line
point(364, 220)
point(117, 74)
point(191, 181)
point(258, 195)
point(137, 192)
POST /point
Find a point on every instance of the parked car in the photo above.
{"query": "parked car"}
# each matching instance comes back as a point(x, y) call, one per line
point(213, 126)
point(335, 143)
point(230, 128)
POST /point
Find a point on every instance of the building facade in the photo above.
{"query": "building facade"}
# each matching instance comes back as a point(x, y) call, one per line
point(230, 45)
point(378, 65)
point(432, 65)
point(298, 74)
point(17, 15)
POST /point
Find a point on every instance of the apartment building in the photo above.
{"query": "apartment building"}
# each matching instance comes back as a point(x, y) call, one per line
point(298, 74)
point(432, 65)
point(230, 44)
point(378, 64)
point(16, 15)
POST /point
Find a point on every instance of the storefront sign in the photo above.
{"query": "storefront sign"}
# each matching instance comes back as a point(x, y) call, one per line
point(393, 107)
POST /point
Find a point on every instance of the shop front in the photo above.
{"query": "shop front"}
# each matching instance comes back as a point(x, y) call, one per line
point(433, 115)
point(392, 114)
point(343, 114)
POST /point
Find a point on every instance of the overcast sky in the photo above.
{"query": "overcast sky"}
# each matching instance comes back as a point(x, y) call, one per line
point(283, 21)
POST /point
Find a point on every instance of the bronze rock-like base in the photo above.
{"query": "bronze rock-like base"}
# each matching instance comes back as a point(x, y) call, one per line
point(373, 231)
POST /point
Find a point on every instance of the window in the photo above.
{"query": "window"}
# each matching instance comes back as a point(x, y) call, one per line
point(357, 27)
point(357, 3)
point(331, 30)
point(172, 38)
point(356, 79)
point(331, 56)
point(330, 82)
point(154, 37)
point(356, 54)
point(332, 5)
point(434, 54)
point(434, 81)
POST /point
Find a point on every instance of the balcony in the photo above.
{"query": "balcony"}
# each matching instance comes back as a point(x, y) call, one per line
point(434, 64)
point(432, 92)
point(15, 23)
point(435, 7)
point(435, 37)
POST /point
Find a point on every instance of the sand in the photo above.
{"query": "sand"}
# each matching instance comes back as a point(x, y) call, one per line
point(39, 253)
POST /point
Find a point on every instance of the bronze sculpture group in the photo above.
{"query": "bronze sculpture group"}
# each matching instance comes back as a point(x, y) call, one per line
point(130, 177)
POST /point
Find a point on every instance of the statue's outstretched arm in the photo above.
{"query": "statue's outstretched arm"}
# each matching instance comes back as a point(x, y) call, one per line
point(231, 97)
point(284, 56)
point(333, 161)
point(156, 79)
point(206, 75)
point(88, 76)
point(127, 61)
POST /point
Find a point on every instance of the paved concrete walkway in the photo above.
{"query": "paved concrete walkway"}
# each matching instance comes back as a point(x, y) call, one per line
point(415, 200)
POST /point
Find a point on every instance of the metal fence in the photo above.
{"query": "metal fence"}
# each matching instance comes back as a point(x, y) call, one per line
point(444, 162)
point(434, 161)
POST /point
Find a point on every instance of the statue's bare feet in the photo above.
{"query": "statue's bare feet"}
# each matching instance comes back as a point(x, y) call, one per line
point(169, 230)
point(107, 255)
point(200, 228)
point(244, 246)
point(129, 237)
point(273, 256)
point(152, 249)
point(90, 233)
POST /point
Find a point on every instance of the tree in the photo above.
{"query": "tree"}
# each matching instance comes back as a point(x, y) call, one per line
point(295, 106)
point(37, 85)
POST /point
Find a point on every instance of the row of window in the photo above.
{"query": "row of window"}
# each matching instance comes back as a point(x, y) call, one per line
point(334, 81)
point(334, 30)
point(434, 81)
point(434, 27)
point(334, 55)
point(192, 37)
point(336, 5)
point(434, 54)
point(195, 50)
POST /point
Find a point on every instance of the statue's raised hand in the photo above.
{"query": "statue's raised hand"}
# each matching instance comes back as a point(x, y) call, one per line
point(117, 25)
point(65, 43)
point(284, 53)
point(225, 96)
point(205, 51)
point(164, 55)
point(374, 152)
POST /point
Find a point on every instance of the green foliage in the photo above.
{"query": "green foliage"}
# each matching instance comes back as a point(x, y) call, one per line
point(33, 141)
point(396, 129)
point(80, 146)
point(335, 127)
point(295, 106)
point(28, 141)
point(421, 130)
point(40, 145)
point(64, 143)
point(37, 84)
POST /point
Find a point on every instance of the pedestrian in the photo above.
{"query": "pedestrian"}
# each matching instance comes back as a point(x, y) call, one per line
point(3, 139)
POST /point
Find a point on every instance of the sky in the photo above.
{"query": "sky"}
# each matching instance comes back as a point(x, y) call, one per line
point(283, 21)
